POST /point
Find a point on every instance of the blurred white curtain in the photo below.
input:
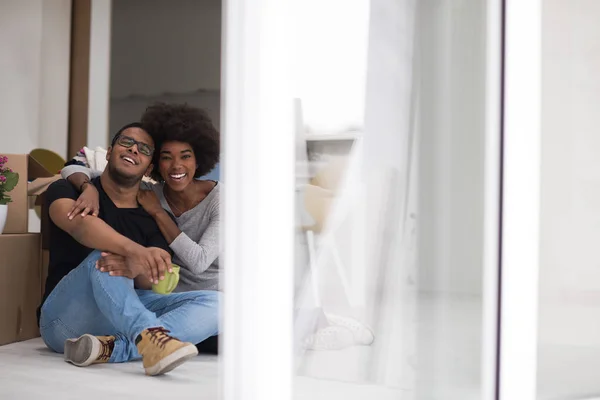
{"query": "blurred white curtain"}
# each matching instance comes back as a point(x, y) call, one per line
point(389, 173)
point(365, 80)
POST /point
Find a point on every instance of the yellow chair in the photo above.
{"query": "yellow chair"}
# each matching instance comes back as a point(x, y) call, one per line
point(51, 161)
point(319, 196)
point(48, 159)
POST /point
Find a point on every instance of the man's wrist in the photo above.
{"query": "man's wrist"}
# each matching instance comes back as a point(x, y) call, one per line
point(131, 247)
point(158, 211)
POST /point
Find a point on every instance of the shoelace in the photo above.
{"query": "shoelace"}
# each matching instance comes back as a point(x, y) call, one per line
point(159, 336)
point(107, 349)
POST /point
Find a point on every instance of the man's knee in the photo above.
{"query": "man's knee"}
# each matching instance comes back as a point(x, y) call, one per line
point(54, 335)
point(92, 258)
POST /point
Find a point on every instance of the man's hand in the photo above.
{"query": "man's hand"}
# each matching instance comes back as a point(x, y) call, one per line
point(88, 202)
point(151, 262)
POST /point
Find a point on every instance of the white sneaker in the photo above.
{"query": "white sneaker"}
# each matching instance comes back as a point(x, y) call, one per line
point(329, 338)
point(362, 334)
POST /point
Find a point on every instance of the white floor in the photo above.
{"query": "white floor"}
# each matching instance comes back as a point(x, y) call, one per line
point(29, 371)
point(446, 364)
point(569, 351)
point(569, 373)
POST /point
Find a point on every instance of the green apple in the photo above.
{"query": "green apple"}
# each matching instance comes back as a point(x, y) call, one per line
point(170, 282)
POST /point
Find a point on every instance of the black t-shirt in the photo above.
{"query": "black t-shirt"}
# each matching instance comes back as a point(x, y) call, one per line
point(66, 253)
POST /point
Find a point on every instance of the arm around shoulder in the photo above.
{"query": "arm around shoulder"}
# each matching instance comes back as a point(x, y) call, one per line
point(91, 232)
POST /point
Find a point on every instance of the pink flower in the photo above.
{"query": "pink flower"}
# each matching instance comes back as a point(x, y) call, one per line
point(2, 178)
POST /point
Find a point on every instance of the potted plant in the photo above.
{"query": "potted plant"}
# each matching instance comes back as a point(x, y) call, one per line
point(8, 181)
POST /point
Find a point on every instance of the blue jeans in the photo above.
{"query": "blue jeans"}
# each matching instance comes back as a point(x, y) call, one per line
point(90, 301)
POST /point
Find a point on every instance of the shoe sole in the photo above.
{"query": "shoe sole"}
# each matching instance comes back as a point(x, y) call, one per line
point(365, 342)
point(172, 361)
point(79, 352)
point(319, 341)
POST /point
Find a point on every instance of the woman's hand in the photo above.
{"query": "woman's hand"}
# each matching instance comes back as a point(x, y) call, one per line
point(148, 200)
point(88, 202)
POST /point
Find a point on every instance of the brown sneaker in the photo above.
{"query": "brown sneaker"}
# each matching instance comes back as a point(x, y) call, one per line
point(87, 350)
point(161, 353)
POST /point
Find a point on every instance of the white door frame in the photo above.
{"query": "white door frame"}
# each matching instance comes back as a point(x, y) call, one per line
point(520, 200)
point(492, 202)
point(258, 175)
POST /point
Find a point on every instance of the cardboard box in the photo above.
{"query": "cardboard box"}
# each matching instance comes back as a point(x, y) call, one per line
point(37, 190)
point(29, 171)
point(20, 276)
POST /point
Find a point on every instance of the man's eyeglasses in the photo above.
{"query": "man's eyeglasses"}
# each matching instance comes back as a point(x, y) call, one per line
point(128, 142)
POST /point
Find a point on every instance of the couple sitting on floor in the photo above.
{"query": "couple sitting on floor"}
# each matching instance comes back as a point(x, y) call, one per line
point(98, 304)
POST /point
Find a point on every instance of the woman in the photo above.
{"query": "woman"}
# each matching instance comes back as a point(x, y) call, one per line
point(188, 148)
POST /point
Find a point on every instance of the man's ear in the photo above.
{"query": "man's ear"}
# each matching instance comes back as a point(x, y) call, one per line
point(149, 170)
point(108, 153)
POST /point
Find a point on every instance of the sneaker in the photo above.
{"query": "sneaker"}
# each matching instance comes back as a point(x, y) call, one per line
point(87, 350)
point(330, 338)
point(363, 335)
point(161, 352)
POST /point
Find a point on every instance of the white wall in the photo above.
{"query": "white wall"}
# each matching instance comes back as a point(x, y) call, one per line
point(34, 74)
point(35, 42)
point(571, 147)
point(569, 273)
point(570, 192)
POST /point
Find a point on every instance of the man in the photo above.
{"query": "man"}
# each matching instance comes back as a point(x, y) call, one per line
point(93, 316)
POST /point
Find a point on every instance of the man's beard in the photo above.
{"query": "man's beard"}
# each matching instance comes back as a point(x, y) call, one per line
point(122, 179)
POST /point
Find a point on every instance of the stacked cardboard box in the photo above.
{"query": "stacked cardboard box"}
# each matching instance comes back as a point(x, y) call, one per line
point(23, 255)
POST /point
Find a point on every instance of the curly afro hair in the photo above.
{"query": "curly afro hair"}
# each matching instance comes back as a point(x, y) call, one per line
point(183, 123)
